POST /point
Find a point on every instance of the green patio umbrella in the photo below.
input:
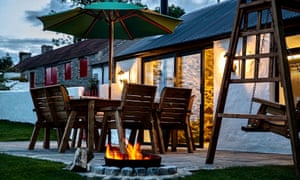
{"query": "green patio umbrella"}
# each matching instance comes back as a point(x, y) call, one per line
point(110, 19)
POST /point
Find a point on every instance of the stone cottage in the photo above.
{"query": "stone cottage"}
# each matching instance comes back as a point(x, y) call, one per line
point(192, 57)
point(80, 64)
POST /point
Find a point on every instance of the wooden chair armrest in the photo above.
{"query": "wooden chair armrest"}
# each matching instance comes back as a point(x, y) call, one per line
point(269, 103)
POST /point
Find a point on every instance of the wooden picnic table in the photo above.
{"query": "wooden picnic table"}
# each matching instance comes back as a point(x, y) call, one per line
point(88, 106)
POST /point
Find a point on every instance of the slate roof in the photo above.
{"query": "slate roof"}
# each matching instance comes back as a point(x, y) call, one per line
point(208, 22)
point(80, 49)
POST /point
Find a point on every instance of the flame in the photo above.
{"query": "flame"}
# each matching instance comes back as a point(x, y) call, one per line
point(133, 153)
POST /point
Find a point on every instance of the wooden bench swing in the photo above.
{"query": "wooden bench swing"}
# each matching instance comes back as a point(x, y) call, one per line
point(271, 116)
point(276, 124)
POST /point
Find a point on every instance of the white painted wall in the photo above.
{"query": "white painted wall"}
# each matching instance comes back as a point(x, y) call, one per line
point(16, 104)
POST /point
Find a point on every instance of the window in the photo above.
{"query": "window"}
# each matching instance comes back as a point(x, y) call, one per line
point(160, 73)
point(83, 67)
point(106, 74)
point(68, 71)
point(127, 71)
point(51, 75)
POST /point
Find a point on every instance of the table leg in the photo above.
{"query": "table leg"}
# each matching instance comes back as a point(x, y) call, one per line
point(91, 119)
point(64, 142)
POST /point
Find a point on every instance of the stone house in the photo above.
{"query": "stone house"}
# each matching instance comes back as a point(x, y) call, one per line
point(73, 65)
point(192, 57)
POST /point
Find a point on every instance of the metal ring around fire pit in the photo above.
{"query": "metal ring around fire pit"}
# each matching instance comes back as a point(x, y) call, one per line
point(149, 160)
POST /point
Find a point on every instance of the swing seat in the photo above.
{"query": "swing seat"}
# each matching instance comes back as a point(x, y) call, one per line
point(275, 125)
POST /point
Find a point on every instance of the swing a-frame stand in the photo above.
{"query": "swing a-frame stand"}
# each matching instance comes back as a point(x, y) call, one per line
point(271, 116)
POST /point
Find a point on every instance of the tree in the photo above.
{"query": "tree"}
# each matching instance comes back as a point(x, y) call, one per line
point(6, 63)
point(174, 11)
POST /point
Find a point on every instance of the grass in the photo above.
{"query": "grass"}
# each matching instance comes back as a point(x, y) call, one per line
point(17, 131)
point(247, 173)
point(19, 168)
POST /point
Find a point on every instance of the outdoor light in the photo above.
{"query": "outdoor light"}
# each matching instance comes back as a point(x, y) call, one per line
point(294, 57)
point(123, 76)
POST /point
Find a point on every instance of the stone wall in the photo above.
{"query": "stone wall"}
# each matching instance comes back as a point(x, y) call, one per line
point(75, 79)
point(191, 70)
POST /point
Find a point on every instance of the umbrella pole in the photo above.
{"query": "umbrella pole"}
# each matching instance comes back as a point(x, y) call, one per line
point(111, 56)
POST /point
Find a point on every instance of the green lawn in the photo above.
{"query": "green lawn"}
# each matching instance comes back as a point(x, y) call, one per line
point(17, 131)
point(20, 168)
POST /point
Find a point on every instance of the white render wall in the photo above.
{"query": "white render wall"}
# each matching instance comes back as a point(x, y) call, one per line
point(239, 101)
point(16, 104)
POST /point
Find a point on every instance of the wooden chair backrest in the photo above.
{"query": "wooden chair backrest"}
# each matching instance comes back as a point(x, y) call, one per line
point(175, 104)
point(51, 103)
point(137, 103)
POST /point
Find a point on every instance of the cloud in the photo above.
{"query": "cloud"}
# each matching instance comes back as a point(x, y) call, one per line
point(52, 7)
point(14, 46)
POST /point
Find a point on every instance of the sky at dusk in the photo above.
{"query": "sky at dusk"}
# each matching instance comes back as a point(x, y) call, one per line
point(21, 31)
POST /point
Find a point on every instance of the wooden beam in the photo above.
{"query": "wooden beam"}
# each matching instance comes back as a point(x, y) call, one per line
point(291, 5)
point(254, 116)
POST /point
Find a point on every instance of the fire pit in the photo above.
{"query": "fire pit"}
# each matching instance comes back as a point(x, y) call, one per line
point(133, 157)
point(150, 160)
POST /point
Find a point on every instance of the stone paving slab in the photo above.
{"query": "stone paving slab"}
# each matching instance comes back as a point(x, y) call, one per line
point(181, 159)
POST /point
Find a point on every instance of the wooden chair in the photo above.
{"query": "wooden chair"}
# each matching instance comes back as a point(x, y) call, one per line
point(134, 113)
point(50, 107)
point(173, 114)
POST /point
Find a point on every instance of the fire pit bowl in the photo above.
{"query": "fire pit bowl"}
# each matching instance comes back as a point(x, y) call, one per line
point(149, 160)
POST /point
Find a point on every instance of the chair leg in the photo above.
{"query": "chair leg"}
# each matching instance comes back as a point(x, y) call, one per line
point(74, 137)
point(103, 133)
point(121, 133)
point(34, 137)
point(80, 137)
point(132, 136)
point(96, 136)
point(109, 136)
point(188, 137)
point(158, 134)
point(140, 136)
point(59, 134)
point(166, 137)
point(174, 140)
point(46, 143)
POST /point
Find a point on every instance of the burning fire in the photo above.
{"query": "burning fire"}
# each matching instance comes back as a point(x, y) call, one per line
point(133, 153)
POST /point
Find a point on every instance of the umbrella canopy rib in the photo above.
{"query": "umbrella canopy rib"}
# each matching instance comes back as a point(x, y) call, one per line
point(96, 18)
point(155, 23)
point(121, 19)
